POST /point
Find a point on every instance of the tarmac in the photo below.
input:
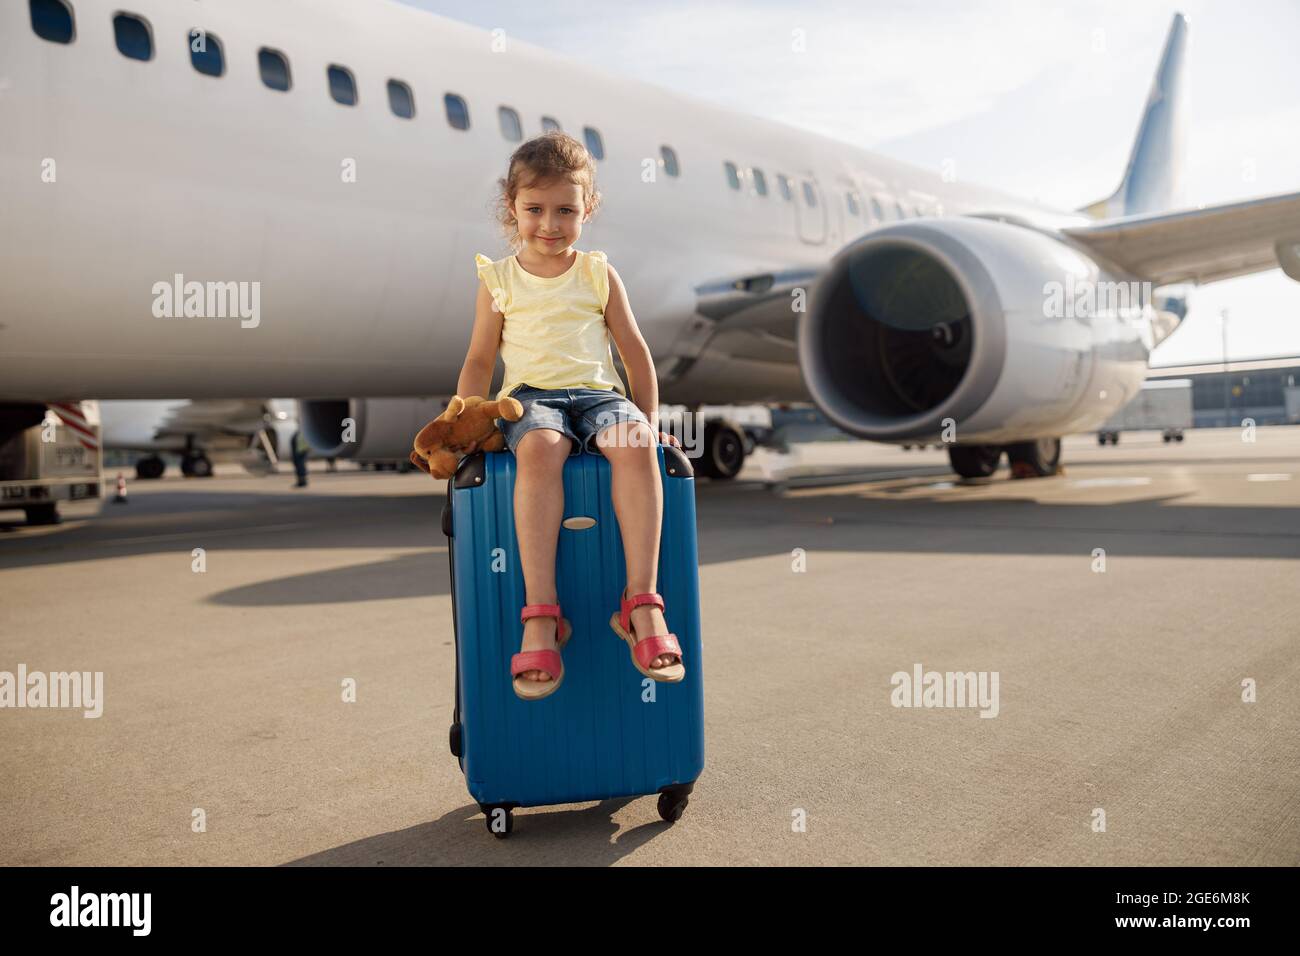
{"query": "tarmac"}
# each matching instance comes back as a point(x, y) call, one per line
point(1146, 709)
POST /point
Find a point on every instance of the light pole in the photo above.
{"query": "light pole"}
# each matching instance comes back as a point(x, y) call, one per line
point(1227, 385)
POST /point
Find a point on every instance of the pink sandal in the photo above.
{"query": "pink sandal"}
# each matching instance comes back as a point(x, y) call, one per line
point(646, 650)
point(548, 661)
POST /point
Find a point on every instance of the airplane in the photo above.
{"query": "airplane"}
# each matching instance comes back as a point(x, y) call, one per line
point(256, 432)
point(327, 167)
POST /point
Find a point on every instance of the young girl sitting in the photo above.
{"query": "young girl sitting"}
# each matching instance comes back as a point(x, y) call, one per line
point(551, 309)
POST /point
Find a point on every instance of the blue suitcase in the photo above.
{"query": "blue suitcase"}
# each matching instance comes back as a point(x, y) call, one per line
point(608, 731)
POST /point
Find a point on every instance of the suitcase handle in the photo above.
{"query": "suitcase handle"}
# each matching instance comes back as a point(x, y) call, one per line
point(447, 529)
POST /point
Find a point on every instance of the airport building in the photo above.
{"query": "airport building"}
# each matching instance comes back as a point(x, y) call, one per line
point(1267, 390)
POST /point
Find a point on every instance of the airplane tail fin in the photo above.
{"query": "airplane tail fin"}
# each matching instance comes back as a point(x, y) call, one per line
point(1154, 177)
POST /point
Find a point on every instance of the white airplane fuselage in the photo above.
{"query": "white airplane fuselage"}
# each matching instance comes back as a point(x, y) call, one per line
point(367, 287)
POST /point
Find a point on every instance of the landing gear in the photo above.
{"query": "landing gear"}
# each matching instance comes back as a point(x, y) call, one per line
point(1035, 459)
point(724, 450)
point(150, 468)
point(1172, 434)
point(196, 466)
point(974, 461)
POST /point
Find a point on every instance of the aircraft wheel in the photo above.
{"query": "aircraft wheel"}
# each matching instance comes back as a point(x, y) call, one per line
point(150, 468)
point(197, 466)
point(724, 450)
point(974, 461)
point(1034, 459)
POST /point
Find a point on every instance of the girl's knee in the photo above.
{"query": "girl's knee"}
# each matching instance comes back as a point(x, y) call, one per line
point(543, 446)
point(625, 439)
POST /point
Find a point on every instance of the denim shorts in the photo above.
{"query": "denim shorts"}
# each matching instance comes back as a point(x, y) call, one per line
point(579, 413)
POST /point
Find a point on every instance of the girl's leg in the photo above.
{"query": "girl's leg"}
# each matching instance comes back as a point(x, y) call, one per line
point(639, 504)
point(539, 459)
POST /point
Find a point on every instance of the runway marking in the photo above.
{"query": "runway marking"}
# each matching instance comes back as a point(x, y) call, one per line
point(1108, 482)
point(794, 482)
point(852, 520)
point(1268, 477)
point(212, 533)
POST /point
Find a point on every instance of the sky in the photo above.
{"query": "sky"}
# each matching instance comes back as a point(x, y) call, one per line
point(1039, 98)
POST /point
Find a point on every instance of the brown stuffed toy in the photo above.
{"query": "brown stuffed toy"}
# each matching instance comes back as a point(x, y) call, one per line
point(465, 426)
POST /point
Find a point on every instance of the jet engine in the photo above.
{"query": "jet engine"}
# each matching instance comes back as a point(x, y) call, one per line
point(369, 429)
point(972, 330)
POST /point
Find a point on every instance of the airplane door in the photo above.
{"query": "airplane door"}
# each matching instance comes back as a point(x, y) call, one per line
point(810, 210)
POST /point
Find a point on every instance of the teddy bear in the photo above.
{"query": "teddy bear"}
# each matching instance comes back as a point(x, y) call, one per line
point(465, 425)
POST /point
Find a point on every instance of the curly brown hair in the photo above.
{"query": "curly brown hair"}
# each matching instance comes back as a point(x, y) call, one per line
point(554, 156)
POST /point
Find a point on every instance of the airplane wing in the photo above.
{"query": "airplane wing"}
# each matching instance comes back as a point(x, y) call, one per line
point(1201, 245)
point(209, 418)
point(745, 327)
point(746, 317)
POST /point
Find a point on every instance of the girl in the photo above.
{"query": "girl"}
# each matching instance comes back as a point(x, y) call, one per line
point(551, 310)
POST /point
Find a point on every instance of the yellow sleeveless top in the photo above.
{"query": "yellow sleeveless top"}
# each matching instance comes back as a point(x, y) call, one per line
point(553, 332)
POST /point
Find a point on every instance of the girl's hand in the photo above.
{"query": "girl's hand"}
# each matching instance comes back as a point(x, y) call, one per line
point(666, 439)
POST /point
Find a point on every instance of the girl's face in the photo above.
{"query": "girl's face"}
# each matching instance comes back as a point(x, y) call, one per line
point(550, 217)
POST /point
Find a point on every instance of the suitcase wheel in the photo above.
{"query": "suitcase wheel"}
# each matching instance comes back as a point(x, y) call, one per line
point(499, 818)
point(672, 803)
point(454, 740)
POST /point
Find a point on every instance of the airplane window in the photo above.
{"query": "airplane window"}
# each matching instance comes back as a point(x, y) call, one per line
point(670, 160)
point(548, 123)
point(133, 38)
point(784, 182)
point(205, 53)
point(343, 88)
point(400, 100)
point(760, 181)
point(809, 196)
point(457, 111)
point(594, 145)
point(51, 20)
point(852, 202)
point(733, 177)
point(274, 68)
point(898, 208)
point(511, 128)
point(876, 212)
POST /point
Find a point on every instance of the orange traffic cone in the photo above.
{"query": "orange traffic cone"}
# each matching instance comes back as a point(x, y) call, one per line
point(120, 497)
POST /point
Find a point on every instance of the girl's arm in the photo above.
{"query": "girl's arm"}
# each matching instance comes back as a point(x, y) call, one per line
point(481, 360)
point(637, 361)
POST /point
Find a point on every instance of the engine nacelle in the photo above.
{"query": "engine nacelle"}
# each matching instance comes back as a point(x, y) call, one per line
point(365, 428)
point(932, 320)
